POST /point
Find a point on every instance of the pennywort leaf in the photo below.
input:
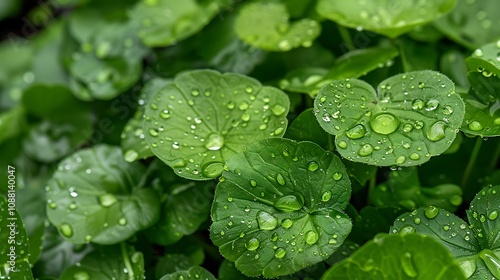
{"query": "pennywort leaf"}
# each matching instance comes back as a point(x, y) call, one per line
point(384, 17)
point(410, 118)
point(204, 118)
point(266, 25)
point(268, 219)
point(486, 59)
point(95, 196)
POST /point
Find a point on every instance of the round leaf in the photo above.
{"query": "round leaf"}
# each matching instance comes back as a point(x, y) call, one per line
point(194, 273)
point(410, 118)
point(486, 59)
point(409, 256)
point(204, 117)
point(384, 17)
point(95, 196)
point(483, 217)
point(278, 207)
point(265, 25)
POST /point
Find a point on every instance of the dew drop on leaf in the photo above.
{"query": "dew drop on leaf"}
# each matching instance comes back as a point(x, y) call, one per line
point(326, 196)
point(455, 200)
point(286, 223)
point(356, 132)
point(415, 156)
point(66, 229)
point(417, 221)
point(436, 132)
point(417, 104)
point(131, 155)
point(214, 142)
point(365, 150)
point(252, 244)
point(407, 229)
point(475, 126)
point(107, 200)
point(280, 253)
point(384, 123)
point(343, 144)
point(289, 203)
point(266, 221)
point(431, 105)
point(81, 275)
point(212, 169)
point(337, 176)
point(493, 215)
point(122, 221)
point(311, 237)
point(431, 212)
point(313, 166)
point(278, 110)
point(407, 265)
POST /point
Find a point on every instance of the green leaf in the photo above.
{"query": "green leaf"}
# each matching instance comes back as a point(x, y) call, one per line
point(172, 263)
point(486, 59)
point(14, 252)
point(268, 219)
point(472, 23)
point(162, 23)
point(108, 262)
point(384, 17)
point(403, 190)
point(221, 114)
point(410, 118)
point(372, 221)
point(306, 128)
point(96, 196)
point(12, 123)
point(482, 116)
point(266, 25)
point(483, 218)
point(193, 273)
point(453, 65)
point(133, 141)
point(353, 64)
point(410, 256)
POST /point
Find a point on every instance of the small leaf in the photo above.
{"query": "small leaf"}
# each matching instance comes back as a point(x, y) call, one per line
point(410, 118)
point(109, 262)
point(194, 273)
point(486, 59)
point(483, 217)
point(266, 25)
point(220, 113)
point(14, 252)
point(164, 22)
point(409, 256)
point(268, 219)
point(383, 17)
point(12, 123)
point(95, 196)
point(171, 263)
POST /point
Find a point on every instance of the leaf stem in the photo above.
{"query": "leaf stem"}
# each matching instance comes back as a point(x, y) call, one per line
point(331, 146)
point(402, 54)
point(126, 260)
point(372, 183)
point(346, 37)
point(472, 162)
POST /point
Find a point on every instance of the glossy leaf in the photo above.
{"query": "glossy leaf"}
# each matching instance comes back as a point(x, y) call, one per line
point(172, 263)
point(110, 262)
point(133, 141)
point(410, 118)
point(483, 218)
point(403, 190)
point(195, 272)
point(482, 116)
point(372, 221)
point(15, 249)
point(452, 64)
point(96, 196)
point(221, 114)
point(472, 23)
point(266, 25)
point(384, 17)
point(353, 64)
point(162, 23)
point(270, 221)
point(12, 123)
point(486, 59)
point(409, 256)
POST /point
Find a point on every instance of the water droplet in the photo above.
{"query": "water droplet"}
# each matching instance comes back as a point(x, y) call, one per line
point(448, 110)
point(407, 128)
point(493, 215)
point(214, 142)
point(356, 132)
point(252, 244)
point(179, 163)
point(326, 196)
point(278, 110)
point(431, 212)
point(437, 131)
point(313, 166)
point(266, 221)
point(400, 160)
point(195, 92)
point(407, 265)
point(337, 176)
point(153, 132)
point(130, 155)
point(106, 200)
point(280, 253)
point(286, 223)
point(122, 221)
point(212, 169)
point(243, 106)
point(417, 104)
point(365, 150)
point(415, 156)
point(478, 53)
point(343, 144)
point(165, 114)
point(384, 123)
point(455, 200)
point(407, 229)
point(289, 203)
point(431, 105)
point(417, 221)
point(66, 229)
point(475, 126)
point(311, 237)
point(81, 275)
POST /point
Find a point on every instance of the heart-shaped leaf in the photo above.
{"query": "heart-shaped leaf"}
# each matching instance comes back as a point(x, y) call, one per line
point(482, 102)
point(403, 190)
point(477, 247)
point(194, 273)
point(410, 256)
point(110, 262)
point(95, 196)
point(133, 141)
point(410, 118)
point(164, 22)
point(14, 250)
point(486, 59)
point(472, 23)
point(384, 17)
point(268, 219)
point(204, 117)
point(266, 25)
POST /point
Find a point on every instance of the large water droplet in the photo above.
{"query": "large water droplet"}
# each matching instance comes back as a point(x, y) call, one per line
point(384, 123)
point(81, 275)
point(493, 215)
point(289, 203)
point(356, 132)
point(280, 253)
point(365, 150)
point(280, 179)
point(106, 200)
point(311, 237)
point(326, 196)
point(215, 142)
point(431, 105)
point(431, 212)
point(66, 229)
point(407, 265)
point(252, 244)
point(417, 104)
point(131, 155)
point(266, 221)
point(212, 169)
point(342, 144)
point(179, 163)
point(337, 176)
point(491, 261)
point(437, 131)
point(122, 221)
point(475, 126)
point(278, 110)
point(313, 166)
point(407, 229)
point(286, 223)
